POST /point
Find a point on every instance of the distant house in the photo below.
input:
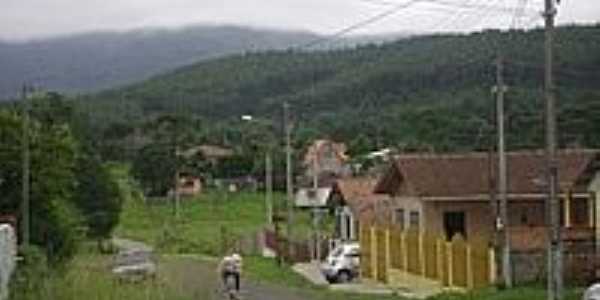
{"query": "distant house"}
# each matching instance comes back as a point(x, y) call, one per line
point(351, 197)
point(211, 153)
point(312, 198)
point(326, 160)
point(450, 194)
point(189, 185)
point(236, 184)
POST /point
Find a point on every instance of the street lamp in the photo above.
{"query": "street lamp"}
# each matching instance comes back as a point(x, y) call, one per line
point(268, 178)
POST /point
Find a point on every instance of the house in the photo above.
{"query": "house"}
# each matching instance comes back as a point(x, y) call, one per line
point(351, 197)
point(325, 160)
point(236, 184)
point(449, 194)
point(189, 185)
point(211, 153)
point(312, 198)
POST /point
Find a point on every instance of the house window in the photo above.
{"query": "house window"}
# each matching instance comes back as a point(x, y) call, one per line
point(399, 218)
point(579, 211)
point(414, 219)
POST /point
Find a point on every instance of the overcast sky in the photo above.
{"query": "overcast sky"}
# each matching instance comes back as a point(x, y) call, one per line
point(27, 19)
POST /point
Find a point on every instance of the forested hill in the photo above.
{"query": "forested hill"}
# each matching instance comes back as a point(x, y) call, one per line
point(98, 60)
point(423, 92)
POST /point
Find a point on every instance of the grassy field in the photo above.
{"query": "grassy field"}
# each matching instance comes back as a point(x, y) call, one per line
point(205, 222)
point(88, 277)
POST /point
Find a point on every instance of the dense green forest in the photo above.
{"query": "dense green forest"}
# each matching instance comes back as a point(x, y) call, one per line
point(423, 93)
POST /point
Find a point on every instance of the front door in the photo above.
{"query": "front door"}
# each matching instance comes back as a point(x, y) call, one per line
point(454, 223)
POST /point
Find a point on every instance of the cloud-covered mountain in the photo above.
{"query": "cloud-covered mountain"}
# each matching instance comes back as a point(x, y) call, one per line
point(94, 61)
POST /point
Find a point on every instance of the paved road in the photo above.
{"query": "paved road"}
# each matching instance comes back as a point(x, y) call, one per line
point(197, 278)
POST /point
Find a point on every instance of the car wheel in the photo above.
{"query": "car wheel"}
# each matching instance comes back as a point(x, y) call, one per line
point(344, 277)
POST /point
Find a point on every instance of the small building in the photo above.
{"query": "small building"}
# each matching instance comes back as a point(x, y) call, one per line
point(189, 186)
point(212, 153)
point(312, 198)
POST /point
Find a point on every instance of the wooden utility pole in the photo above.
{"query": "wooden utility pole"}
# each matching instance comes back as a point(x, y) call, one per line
point(269, 187)
point(500, 89)
point(177, 183)
point(555, 284)
point(316, 213)
point(289, 186)
point(25, 205)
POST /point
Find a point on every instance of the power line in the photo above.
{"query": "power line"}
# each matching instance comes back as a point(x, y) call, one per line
point(360, 24)
point(445, 3)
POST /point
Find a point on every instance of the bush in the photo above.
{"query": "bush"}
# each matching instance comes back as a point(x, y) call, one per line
point(29, 276)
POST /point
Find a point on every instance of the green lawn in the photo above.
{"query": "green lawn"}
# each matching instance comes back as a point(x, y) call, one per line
point(204, 224)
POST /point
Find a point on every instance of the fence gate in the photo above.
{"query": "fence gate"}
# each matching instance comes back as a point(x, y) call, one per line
point(381, 241)
point(459, 261)
point(480, 260)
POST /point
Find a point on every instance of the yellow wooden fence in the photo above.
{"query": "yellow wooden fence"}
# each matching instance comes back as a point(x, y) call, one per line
point(457, 263)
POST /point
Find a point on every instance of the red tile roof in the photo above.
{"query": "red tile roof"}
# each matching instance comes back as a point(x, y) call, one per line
point(358, 192)
point(315, 150)
point(431, 175)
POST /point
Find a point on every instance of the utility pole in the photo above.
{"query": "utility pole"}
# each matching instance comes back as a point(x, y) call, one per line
point(289, 187)
point(25, 205)
point(269, 186)
point(500, 89)
point(176, 131)
point(555, 284)
point(315, 213)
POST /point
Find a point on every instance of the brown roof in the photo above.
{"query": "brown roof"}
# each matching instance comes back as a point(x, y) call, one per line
point(431, 175)
point(209, 151)
point(358, 192)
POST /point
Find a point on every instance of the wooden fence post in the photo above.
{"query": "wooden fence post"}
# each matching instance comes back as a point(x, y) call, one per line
point(439, 256)
point(404, 251)
point(449, 254)
point(493, 270)
point(387, 255)
point(374, 255)
point(470, 280)
point(421, 254)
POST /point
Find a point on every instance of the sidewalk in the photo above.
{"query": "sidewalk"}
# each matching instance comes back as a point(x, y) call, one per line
point(311, 272)
point(412, 286)
point(401, 283)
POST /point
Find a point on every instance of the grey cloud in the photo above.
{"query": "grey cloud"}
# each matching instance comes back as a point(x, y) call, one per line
point(25, 19)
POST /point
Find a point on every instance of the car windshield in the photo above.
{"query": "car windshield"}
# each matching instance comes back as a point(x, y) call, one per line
point(337, 252)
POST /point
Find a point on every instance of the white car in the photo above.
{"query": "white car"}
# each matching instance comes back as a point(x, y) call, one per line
point(342, 264)
point(134, 265)
point(592, 293)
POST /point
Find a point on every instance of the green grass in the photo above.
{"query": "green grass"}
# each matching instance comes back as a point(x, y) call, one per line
point(518, 293)
point(88, 277)
point(261, 269)
point(205, 223)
